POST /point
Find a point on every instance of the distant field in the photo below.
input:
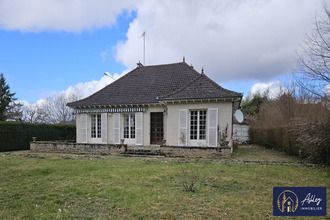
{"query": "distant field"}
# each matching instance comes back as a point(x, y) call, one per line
point(53, 186)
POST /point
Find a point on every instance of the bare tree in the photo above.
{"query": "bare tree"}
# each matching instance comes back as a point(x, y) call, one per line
point(313, 73)
point(34, 113)
point(56, 110)
point(51, 110)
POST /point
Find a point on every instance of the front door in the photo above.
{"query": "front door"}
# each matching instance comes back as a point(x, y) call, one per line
point(156, 128)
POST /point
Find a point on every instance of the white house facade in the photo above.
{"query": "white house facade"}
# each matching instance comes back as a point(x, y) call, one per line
point(168, 104)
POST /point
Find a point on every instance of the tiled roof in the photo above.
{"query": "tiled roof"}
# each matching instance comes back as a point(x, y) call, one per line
point(149, 84)
point(201, 87)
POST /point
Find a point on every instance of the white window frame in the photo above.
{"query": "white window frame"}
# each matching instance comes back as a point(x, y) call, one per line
point(96, 124)
point(131, 139)
point(197, 141)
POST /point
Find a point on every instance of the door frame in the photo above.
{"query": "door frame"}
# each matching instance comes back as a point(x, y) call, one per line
point(151, 133)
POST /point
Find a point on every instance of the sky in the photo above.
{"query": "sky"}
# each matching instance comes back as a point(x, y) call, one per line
point(51, 47)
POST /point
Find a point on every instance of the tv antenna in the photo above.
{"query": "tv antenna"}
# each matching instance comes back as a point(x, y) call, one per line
point(144, 48)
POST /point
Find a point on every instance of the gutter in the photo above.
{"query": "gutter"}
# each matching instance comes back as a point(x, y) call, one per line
point(232, 113)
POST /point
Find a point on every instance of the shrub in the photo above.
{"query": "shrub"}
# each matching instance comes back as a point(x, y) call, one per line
point(313, 139)
point(298, 127)
point(277, 138)
point(189, 181)
point(17, 136)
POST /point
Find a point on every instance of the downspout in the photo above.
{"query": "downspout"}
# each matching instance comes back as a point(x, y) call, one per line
point(232, 120)
point(232, 113)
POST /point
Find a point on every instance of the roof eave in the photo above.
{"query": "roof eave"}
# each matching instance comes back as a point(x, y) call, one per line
point(112, 105)
point(199, 98)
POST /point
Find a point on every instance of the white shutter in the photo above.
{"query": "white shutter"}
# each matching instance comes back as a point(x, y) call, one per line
point(139, 128)
point(212, 127)
point(116, 128)
point(83, 128)
point(104, 127)
point(183, 127)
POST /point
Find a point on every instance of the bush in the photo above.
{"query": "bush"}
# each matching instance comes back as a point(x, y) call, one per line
point(189, 181)
point(17, 136)
point(277, 138)
point(313, 139)
point(298, 127)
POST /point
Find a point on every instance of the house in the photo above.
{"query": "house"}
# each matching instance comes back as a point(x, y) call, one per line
point(288, 205)
point(169, 104)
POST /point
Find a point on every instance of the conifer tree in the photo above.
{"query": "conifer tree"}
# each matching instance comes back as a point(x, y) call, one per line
point(5, 98)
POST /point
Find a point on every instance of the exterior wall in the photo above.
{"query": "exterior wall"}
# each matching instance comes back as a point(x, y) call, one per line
point(110, 121)
point(195, 152)
point(110, 129)
point(171, 123)
point(224, 118)
point(58, 147)
point(116, 149)
point(78, 128)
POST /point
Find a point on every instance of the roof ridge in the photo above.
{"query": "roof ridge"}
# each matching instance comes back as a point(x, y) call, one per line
point(165, 64)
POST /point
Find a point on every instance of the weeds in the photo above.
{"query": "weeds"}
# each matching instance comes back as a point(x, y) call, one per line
point(189, 180)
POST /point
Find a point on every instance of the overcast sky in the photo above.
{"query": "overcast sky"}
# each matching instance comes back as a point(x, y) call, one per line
point(49, 46)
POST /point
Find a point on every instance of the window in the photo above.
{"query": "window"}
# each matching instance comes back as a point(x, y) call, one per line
point(129, 126)
point(198, 125)
point(96, 126)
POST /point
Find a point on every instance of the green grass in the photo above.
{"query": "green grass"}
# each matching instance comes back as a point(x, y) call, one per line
point(112, 187)
point(257, 153)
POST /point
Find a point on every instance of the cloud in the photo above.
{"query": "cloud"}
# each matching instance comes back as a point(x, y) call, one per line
point(231, 39)
point(60, 15)
point(82, 90)
point(274, 89)
point(327, 90)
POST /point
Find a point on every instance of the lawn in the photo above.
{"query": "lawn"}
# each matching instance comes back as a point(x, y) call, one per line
point(53, 186)
point(256, 153)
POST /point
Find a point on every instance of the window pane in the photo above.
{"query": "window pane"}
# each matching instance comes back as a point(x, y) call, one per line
point(193, 125)
point(198, 125)
point(93, 126)
point(132, 125)
point(126, 126)
point(202, 125)
point(98, 126)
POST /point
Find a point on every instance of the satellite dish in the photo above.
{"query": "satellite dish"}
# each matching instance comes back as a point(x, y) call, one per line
point(239, 116)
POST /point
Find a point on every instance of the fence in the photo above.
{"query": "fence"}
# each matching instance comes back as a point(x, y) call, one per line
point(241, 133)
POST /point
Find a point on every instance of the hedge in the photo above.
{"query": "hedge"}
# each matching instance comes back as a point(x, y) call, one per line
point(17, 136)
point(278, 138)
point(311, 142)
